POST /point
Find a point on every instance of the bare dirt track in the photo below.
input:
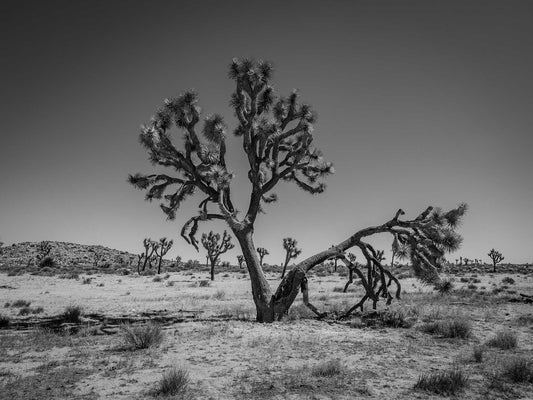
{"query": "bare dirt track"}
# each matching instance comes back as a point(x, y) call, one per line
point(236, 358)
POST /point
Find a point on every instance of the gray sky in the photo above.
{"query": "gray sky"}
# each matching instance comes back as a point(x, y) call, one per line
point(420, 103)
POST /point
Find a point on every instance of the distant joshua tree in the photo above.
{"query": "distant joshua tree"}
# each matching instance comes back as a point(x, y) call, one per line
point(162, 248)
point(148, 257)
point(240, 260)
point(262, 253)
point(215, 247)
point(276, 135)
point(496, 258)
point(291, 251)
point(43, 253)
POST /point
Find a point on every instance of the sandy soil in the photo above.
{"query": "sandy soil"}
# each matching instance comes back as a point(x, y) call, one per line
point(240, 359)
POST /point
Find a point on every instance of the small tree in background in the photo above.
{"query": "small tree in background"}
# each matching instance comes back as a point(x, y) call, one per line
point(178, 262)
point(496, 258)
point(262, 253)
point(240, 260)
point(43, 258)
point(216, 246)
point(148, 257)
point(291, 251)
point(162, 248)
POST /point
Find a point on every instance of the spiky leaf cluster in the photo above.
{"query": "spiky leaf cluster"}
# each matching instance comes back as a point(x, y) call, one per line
point(427, 239)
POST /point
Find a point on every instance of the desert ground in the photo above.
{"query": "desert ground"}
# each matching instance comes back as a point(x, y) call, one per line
point(229, 356)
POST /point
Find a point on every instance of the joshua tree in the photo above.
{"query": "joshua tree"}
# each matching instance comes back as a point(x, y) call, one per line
point(148, 257)
point(496, 258)
point(178, 262)
point(43, 251)
point(162, 248)
point(240, 260)
point(262, 253)
point(215, 247)
point(276, 135)
point(291, 251)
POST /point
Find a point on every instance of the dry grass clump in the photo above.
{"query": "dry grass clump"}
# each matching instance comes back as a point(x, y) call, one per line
point(157, 278)
point(28, 310)
point(508, 280)
point(449, 328)
point(219, 295)
point(142, 336)
point(478, 354)
point(72, 314)
point(397, 318)
point(504, 340)
point(519, 370)
point(204, 283)
point(328, 368)
point(443, 382)
point(174, 382)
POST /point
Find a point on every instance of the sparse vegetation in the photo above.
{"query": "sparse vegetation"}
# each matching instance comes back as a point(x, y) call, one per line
point(174, 382)
point(504, 340)
point(327, 368)
point(518, 370)
point(478, 354)
point(142, 336)
point(444, 286)
point(72, 314)
point(443, 382)
point(449, 328)
point(508, 280)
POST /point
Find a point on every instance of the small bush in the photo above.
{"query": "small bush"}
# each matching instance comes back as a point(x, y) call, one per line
point(157, 278)
point(464, 279)
point(445, 286)
point(143, 336)
point(472, 286)
point(72, 314)
point(478, 354)
point(450, 328)
point(170, 283)
point(204, 283)
point(174, 382)
point(47, 262)
point(4, 321)
point(443, 382)
point(396, 318)
point(25, 311)
point(508, 280)
point(327, 368)
point(219, 295)
point(87, 281)
point(504, 340)
point(21, 303)
point(7, 304)
point(519, 369)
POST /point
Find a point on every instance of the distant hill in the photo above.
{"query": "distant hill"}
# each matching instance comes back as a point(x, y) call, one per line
point(65, 254)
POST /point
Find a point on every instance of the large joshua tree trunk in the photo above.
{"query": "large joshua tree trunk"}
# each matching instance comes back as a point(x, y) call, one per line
point(261, 291)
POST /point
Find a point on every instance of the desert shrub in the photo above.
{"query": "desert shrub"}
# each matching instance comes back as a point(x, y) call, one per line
point(47, 262)
point(170, 283)
point(25, 311)
point(21, 303)
point(327, 368)
point(72, 314)
point(87, 281)
point(444, 286)
point(449, 328)
point(504, 340)
point(397, 318)
point(101, 284)
point(472, 286)
point(478, 353)
point(338, 289)
point(7, 304)
point(174, 382)
point(508, 280)
point(204, 283)
point(443, 382)
point(142, 336)
point(519, 369)
point(4, 321)
point(219, 295)
point(464, 279)
point(157, 278)
point(166, 276)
